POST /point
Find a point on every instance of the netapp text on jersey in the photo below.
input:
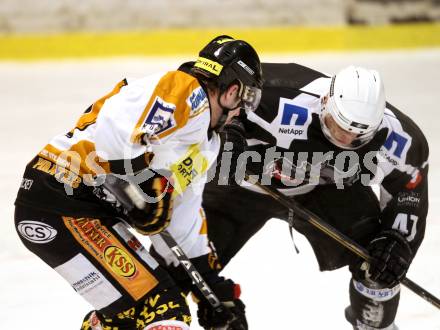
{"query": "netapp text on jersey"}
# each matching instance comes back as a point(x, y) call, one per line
point(290, 131)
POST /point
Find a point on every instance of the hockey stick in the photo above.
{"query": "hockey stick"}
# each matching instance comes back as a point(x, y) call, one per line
point(193, 273)
point(330, 231)
point(126, 200)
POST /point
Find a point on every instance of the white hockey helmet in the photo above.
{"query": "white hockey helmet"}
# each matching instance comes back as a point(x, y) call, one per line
point(356, 102)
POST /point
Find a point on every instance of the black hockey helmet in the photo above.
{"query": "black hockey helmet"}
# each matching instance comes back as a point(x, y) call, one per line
point(225, 61)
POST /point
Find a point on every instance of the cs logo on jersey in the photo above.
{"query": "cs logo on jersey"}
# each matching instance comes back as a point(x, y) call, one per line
point(36, 232)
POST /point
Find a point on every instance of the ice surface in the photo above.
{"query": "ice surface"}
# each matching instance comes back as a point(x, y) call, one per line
point(282, 290)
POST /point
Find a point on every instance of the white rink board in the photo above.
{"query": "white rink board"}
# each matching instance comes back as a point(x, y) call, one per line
point(282, 290)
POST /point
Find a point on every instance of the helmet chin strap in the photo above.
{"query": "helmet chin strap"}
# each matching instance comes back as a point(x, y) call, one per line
point(221, 122)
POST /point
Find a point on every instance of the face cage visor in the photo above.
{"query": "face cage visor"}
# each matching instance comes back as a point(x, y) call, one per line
point(358, 142)
point(250, 97)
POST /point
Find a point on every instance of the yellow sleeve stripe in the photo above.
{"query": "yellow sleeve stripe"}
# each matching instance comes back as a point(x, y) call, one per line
point(200, 110)
point(89, 117)
point(204, 227)
point(80, 158)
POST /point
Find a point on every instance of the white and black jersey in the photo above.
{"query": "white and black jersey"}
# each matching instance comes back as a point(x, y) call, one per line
point(295, 156)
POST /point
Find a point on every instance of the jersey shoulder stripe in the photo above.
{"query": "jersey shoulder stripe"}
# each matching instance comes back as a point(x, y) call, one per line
point(89, 116)
point(176, 98)
point(75, 151)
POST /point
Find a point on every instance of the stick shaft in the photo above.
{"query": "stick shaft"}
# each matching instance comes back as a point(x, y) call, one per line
point(192, 272)
point(342, 239)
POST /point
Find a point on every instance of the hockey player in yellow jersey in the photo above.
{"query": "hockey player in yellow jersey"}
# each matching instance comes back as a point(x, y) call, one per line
point(137, 158)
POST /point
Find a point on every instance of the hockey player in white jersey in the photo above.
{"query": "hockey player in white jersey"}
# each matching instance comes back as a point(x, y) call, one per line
point(138, 158)
point(325, 141)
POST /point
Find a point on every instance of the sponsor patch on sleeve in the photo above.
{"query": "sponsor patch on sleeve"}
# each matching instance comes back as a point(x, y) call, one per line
point(197, 102)
point(159, 118)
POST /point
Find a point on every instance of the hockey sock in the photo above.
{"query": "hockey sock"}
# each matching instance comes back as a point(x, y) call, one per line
point(372, 306)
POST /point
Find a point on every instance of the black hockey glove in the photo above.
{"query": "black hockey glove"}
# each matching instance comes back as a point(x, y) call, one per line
point(234, 141)
point(148, 205)
point(228, 293)
point(391, 256)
